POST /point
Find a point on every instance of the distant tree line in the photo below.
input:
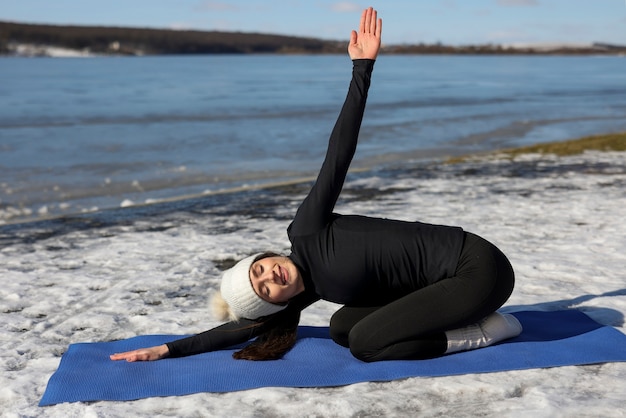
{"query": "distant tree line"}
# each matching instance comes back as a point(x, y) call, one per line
point(439, 48)
point(138, 41)
point(134, 41)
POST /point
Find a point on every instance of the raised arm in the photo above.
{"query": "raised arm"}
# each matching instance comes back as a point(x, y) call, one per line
point(316, 209)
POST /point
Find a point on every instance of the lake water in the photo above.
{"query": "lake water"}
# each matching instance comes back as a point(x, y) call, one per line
point(82, 134)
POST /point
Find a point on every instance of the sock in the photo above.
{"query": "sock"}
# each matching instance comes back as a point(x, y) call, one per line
point(492, 329)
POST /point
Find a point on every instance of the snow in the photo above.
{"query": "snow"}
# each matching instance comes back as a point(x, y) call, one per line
point(105, 276)
point(34, 50)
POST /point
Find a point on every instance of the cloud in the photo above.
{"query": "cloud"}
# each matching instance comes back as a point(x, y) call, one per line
point(517, 2)
point(345, 6)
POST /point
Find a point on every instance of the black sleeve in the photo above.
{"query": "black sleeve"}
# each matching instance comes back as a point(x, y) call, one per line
point(223, 336)
point(316, 209)
point(233, 333)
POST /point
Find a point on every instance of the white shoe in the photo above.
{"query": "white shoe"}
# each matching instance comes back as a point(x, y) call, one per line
point(492, 329)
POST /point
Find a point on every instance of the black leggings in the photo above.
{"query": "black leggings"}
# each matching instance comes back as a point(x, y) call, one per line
point(413, 326)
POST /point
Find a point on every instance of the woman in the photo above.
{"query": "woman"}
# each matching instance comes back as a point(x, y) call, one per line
point(410, 290)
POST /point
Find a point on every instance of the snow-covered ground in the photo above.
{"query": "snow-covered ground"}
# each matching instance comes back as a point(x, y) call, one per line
point(35, 50)
point(151, 270)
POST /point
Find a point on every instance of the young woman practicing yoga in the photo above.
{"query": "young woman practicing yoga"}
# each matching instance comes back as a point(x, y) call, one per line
point(410, 290)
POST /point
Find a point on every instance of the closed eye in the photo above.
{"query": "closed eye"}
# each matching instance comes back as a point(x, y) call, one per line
point(258, 270)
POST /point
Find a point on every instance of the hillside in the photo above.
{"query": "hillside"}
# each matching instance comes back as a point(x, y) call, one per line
point(137, 41)
point(35, 39)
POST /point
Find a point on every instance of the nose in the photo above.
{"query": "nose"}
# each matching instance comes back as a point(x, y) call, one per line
point(268, 276)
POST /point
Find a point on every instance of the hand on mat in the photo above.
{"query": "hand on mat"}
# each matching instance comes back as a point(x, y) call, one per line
point(143, 354)
point(365, 43)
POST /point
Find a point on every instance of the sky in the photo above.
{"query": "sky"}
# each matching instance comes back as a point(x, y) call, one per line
point(455, 22)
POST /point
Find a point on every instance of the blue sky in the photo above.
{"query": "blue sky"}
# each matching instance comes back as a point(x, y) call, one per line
point(405, 21)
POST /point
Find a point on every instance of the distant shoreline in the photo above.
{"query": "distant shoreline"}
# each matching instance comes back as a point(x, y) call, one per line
point(602, 143)
point(605, 142)
point(29, 40)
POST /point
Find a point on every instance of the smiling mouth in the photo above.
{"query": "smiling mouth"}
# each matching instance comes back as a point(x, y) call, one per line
point(284, 275)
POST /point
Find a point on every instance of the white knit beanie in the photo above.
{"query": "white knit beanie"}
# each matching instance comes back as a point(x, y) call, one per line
point(241, 299)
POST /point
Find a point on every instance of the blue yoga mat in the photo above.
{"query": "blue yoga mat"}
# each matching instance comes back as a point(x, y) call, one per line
point(549, 339)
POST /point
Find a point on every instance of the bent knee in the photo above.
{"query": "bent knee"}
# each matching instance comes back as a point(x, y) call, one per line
point(365, 356)
point(339, 332)
point(361, 347)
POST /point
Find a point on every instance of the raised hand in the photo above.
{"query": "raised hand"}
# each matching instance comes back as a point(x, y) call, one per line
point(365, 43)
point(143, 354)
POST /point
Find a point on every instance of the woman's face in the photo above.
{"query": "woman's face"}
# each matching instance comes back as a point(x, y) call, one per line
point(276, 279)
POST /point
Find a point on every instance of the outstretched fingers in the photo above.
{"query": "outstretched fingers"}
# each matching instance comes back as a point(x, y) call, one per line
point(142, 354)
point(370, 23)
point(362, 23)
point(131, 356)
point(373, 16)
point(378, 31)
point(366, 42)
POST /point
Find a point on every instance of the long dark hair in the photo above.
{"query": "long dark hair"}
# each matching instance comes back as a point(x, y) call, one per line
point(279, 339)
point(274, 343)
